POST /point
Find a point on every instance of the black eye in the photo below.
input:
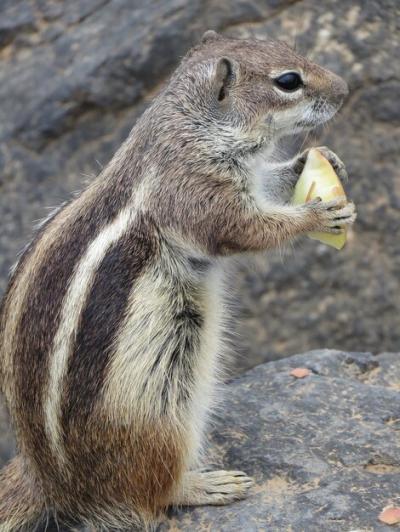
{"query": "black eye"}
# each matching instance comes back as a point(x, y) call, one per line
point(290, 81)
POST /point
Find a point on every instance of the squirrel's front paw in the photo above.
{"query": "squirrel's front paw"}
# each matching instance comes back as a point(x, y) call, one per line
point(334, 160)
point(331, 216)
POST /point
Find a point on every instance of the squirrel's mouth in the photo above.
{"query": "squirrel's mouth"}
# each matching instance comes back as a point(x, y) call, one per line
point(320, 113)
point(306, 117)
point(323, 111)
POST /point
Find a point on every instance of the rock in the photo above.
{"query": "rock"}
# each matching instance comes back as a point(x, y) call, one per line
point(75, 75)
point(7, 444)
point(324, 450)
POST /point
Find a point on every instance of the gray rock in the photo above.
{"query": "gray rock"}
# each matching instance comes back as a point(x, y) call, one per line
point(75, 75)
point(7, 444)
point(324, 450)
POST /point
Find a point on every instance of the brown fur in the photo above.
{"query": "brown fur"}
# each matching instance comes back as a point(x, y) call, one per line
point(109, 475)
point(21, 498)
point(216, 218)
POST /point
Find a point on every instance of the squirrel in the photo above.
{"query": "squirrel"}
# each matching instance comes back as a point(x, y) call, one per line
point(110, 329)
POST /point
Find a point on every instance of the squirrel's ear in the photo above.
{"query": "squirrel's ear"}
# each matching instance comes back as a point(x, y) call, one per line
point(211, 35)
point(226, 72)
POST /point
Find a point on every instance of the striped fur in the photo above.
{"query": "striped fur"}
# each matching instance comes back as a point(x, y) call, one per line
point(111, 325)
point(80, 286)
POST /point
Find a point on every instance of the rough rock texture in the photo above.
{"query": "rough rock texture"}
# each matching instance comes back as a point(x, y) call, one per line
point(7, 447)
point(74, 76)
point(324, 450)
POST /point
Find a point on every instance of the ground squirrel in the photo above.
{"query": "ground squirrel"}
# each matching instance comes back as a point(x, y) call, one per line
point(110, 328)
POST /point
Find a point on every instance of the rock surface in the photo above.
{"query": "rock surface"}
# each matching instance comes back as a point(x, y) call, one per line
point(75, 75)
point(7, 446)
point(324, 450)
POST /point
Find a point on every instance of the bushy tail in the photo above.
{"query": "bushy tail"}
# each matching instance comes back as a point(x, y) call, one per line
point(21, 500)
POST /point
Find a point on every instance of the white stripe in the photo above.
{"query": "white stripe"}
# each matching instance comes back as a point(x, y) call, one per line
point(73, 304)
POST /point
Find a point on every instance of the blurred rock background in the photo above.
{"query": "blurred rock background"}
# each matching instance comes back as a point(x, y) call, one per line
point(75, 75)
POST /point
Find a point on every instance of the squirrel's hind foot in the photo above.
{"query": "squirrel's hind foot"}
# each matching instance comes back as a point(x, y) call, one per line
point(212, 487)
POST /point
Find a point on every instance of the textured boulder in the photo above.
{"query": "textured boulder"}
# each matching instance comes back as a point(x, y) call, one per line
point(75, 75)
point(324, 450)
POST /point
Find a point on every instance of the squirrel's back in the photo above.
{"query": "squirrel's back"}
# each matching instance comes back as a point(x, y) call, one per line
point(100, 316)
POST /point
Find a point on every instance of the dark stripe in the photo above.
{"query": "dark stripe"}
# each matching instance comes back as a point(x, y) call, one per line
point(101, 319)
point(22, 259)
point(186, 326)
point(189, 322)
point(40, 318)
point(199, 265)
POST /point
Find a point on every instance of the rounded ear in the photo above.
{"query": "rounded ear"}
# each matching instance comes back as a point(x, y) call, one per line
point(226, 71)
point(211, 35)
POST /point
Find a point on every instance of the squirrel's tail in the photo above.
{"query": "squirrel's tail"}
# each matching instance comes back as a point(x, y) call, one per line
point(21, 500)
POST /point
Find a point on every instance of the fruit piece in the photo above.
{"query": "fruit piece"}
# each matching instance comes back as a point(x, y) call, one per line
point(318, 179)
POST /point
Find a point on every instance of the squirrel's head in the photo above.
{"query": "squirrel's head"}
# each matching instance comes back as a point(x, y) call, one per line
point(244, 93)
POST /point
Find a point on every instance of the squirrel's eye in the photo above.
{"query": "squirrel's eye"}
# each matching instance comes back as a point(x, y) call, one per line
point(290, 81)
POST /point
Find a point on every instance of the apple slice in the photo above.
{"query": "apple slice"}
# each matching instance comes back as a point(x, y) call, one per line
point(318, 179)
